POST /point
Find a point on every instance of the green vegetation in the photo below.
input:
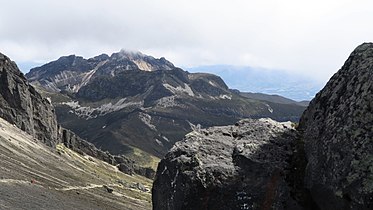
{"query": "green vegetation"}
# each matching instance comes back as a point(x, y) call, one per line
point(143, 158)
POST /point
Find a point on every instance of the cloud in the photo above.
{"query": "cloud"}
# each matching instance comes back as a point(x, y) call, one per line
point(309, 37)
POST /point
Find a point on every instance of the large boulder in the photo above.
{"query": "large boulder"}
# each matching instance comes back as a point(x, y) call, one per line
point(244, 166)
point(337, 130)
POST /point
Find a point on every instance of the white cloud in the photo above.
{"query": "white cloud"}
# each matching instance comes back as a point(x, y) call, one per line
point(311, 37)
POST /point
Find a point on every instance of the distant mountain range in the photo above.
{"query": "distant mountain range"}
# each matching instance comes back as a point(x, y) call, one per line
point(272, 98)
point(272, 82)
point(130, 102)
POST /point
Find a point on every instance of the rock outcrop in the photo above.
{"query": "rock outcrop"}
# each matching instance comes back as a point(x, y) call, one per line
point(245, 166)
point(21, 105)
point(338, 135)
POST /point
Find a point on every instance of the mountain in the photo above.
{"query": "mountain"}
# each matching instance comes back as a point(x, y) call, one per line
point(325, 163)
point(45, 166)
point(273, 98)
point(268, 81)
point(130, 102)
point(70, 73)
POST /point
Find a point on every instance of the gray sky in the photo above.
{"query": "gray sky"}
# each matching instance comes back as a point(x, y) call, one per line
point(313, 38)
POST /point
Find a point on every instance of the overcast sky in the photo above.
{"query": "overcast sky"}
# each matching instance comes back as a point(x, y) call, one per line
point(313, 38)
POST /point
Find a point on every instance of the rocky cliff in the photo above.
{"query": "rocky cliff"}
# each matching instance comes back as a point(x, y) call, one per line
point(21, 105)
point(327, 163)
point(338, 135)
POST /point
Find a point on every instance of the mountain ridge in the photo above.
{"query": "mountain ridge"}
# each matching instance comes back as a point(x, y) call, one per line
point(69, 73)
point(273, 98)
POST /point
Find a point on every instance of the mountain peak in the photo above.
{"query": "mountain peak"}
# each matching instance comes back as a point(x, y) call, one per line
point(101, 57)
point(129, 54)
point(8, 65)
point(70, 73)
point(142, 61)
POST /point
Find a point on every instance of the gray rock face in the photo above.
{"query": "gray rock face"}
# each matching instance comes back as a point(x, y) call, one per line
point(245, 166)
point(338, 136)
point(21, 105)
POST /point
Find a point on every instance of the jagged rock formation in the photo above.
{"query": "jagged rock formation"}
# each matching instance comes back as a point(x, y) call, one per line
point(338, 136)
point(23, 106)
point(120, 107)
point(244, 166)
